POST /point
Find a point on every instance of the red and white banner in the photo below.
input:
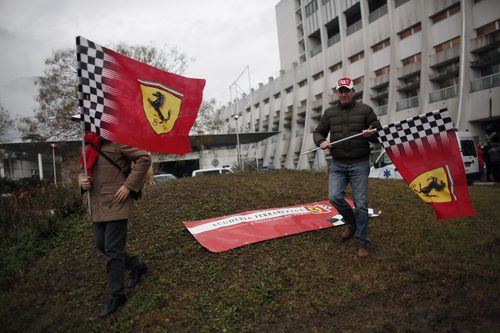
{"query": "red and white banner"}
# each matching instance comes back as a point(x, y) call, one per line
point(228, 232)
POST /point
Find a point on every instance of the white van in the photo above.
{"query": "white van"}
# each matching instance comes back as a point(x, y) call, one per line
point(469, 155)
point(383, 167)
point(211, 171)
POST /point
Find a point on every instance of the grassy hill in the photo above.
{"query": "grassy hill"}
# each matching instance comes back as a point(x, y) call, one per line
point(422, 275)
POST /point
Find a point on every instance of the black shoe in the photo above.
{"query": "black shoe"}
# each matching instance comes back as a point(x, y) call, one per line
point(112, 306)
point(136, 275)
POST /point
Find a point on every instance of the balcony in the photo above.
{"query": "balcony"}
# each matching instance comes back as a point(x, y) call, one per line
point(317, 104)
point(444, 93)
point(486, 61)
point(409, 70)
point(409, 86)
point(375, 15)
point(381, 110)
point(380, 80)
point(315, 50)
point(333, 40)
point(316, 113)
point(379, 95)
point(448, 72)
point(358, 87)
point(408, 103)
point(485, 82)
point(445, 57)
point(485, 42)
point(354, 27)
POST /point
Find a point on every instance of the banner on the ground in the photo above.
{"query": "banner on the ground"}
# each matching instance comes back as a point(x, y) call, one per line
point(228, 232)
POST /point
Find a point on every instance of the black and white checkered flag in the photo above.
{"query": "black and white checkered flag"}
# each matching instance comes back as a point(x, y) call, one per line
point(91, 89)
point(415, 128)
point(339, 219)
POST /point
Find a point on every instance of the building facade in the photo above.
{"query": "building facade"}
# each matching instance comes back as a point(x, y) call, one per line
point(406, 57)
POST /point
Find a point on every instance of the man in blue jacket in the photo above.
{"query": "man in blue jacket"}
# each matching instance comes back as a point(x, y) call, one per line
point(350, 159)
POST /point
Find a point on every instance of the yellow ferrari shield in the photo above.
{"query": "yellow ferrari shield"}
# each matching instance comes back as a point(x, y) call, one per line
point(161, 105)
point(432, 186)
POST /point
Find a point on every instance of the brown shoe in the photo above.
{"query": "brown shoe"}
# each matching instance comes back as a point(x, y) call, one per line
point(347, 233)
point(362, 252)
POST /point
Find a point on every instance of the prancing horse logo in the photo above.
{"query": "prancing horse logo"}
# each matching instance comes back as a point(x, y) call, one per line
point(157, 105)
point(161, 104)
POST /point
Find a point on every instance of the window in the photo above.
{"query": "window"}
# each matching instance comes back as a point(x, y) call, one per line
point(410, 31)
point(335, 67)
point(382, 71)
point(448, 44)
point(357, 56)
point(311, 8)
point(358, 81)
point(318, 76)
point(256, 105)
point(445, 13)
point(487, 28)
point(400, 2)
point(302, 83)
point(318, 97)
point(289, 89)
point(383, 44)
point(411, 59)
point(277, 95)
point(266, 101)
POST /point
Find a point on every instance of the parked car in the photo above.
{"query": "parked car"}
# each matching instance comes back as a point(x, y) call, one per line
point(164, 177)
point(383, 167)
point(211, 171)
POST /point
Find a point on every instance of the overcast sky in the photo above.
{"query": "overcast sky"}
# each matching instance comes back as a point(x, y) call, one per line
point(223, 36)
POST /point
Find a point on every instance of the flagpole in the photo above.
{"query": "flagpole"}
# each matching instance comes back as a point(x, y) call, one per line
point(338, 141)
point(85, 164)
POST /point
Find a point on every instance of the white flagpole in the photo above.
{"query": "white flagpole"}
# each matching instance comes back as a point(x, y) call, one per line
point(338, 141)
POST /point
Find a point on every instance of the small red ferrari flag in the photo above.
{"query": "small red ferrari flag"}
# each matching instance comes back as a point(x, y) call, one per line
point(425, 151)
point(129, 102)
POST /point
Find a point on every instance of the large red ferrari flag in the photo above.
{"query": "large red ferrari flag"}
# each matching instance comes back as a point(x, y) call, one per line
point(425, 151)
point(129, 102)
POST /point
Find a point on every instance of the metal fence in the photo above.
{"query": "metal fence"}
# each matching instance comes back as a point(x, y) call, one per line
point(444, 93)
point(485, 82)
point(408, 103)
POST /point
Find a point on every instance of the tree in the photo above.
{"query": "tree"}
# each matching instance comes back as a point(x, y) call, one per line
point(5, 122)
point(208, 120)
point(58, 89)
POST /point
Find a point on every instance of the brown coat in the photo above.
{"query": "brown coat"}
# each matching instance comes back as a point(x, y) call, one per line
point(107, 179)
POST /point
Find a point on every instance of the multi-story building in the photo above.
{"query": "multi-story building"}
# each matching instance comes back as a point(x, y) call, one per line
point(406, 57)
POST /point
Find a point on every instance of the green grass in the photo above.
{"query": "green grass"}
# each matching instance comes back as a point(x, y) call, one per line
point(422, 275)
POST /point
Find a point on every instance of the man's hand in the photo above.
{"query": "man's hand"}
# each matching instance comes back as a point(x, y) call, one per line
point(325, 144)
point(368, 132)
point(121, 195)
point(86, 183)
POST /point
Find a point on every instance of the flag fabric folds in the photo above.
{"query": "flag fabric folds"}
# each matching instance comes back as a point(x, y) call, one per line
point(228, 232)
point(425, 151)
point(129, 102)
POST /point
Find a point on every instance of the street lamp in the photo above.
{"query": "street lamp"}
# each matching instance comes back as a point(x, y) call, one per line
point(236, 116)
point(53, 145)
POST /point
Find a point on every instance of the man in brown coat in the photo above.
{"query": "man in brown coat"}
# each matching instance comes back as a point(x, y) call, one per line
point(111, 206)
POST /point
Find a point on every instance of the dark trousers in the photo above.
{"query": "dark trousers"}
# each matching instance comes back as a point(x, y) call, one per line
point(110, 238)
